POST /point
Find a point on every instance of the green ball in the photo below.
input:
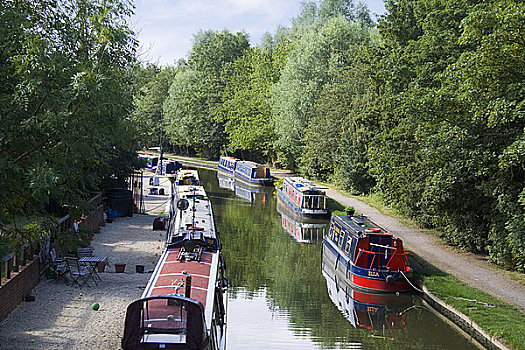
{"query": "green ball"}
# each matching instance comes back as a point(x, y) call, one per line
point(95, 306)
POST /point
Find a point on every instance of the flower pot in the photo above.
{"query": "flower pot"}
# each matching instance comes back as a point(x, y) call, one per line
point(101, 267)
point(119, 268)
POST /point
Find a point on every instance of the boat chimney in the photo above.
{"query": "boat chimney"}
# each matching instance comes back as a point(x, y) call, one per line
point(188, 286)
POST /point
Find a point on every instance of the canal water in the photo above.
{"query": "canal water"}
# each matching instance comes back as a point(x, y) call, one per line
point(282, 296)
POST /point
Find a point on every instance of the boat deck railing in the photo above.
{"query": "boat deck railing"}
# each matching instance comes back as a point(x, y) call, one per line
point(391, 264)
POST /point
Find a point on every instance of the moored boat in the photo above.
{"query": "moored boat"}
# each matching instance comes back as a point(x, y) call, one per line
point(303, 198)
point(253, 173)
point(227, 164)
point(184, 303)
point(366, 255)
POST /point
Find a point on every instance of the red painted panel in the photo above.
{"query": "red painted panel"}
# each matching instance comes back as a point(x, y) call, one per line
point(381, 285)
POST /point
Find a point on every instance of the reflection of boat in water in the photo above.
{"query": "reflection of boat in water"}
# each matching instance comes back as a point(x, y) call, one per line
point(374, 312)
point(366, 255)
point(250, 194)
point(184, 303)
point(302, 231)
point(226, 181)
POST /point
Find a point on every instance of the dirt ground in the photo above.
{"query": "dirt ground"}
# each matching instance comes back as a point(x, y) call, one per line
point(61, 316)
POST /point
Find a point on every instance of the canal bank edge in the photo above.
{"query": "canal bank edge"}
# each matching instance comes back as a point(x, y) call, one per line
point(463, 323)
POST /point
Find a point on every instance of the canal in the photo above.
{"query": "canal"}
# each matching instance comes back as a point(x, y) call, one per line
point(282, 296)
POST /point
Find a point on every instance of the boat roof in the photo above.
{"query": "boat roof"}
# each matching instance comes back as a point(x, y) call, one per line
point(251, 164)
point(231, 159)
point(169, 278)
point(360, 225)
point(302, 184)
point(197, 217)
point(186, 173)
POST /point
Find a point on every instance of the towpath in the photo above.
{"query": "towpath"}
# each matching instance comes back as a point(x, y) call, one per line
point(472, 269)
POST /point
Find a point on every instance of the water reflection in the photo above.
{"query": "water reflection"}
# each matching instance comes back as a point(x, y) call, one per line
point(259, 195)
point(374, 312)
point(309, 231)
point(279, 297)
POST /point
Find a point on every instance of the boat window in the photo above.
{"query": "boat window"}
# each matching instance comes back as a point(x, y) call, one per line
point(341, 239)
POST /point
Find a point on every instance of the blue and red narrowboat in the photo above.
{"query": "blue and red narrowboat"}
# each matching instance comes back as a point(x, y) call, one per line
point(366, 255)
point(303, 198)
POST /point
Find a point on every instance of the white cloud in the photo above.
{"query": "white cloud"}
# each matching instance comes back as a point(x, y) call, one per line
point(165, 28)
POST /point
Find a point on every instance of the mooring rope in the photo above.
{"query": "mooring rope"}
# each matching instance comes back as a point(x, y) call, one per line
point(416, 288)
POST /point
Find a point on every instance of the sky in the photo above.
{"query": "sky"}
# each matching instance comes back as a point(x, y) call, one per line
point(165, 28)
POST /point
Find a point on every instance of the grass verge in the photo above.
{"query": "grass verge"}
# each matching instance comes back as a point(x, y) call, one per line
point(494, 316)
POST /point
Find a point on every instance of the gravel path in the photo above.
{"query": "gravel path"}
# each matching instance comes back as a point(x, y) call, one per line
point(61, 316)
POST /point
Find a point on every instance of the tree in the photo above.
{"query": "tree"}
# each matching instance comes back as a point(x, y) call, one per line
point(209, 58)
point(65, 102)
point(246, 111)
point(315, 45)
point(148, 105)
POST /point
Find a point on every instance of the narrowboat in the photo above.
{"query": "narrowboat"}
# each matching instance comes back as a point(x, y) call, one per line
point(303, 198)
point(311, 231)
point(252, 173)
point(227, 164)
point(184, 303)
point(380, 314)
point(366, 256)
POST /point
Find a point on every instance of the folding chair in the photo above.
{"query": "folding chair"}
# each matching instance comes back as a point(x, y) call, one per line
point(84, 252)
point(80, 274)
point(58, 265)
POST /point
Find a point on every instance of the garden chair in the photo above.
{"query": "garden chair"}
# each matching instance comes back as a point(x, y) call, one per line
point(84, 252)
point(80, 274)
point(58, 265)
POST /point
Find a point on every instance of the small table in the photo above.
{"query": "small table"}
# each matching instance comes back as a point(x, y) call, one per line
point(93, 261)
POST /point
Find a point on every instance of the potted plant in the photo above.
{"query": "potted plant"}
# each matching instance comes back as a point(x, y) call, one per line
point(349, 211)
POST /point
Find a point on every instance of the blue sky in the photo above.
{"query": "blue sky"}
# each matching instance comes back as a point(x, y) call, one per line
point(165, 28)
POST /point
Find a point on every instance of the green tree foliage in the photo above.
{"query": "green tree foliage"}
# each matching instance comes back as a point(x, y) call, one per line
point(65, 101)
point(450, 119)
point(317, 42)
point(337, 134)
point(246, 110)
point(148, 104)
point(209, 59)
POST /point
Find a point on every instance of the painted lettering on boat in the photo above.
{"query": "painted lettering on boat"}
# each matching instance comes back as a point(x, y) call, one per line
point(373, 274)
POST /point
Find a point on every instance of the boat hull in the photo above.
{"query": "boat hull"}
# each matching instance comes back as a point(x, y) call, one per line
point(360, 278)
point(255, 182)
